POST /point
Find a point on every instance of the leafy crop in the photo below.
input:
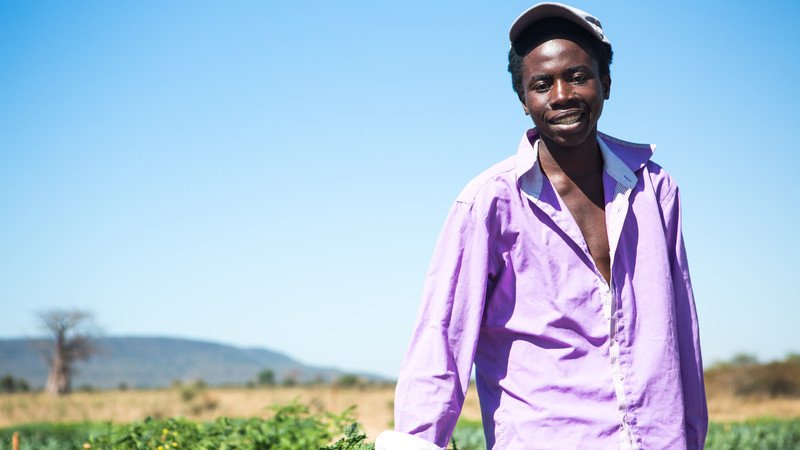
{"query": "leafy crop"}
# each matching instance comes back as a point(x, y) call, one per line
point(762, 434)
point(52, 436)
point(468, 435)
point(292, 427)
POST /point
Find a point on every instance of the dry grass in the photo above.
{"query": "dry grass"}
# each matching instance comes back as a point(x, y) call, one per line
point(739, 409)
point(374, 410)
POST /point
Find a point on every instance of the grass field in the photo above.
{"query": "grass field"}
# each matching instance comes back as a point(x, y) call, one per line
point(373, 412)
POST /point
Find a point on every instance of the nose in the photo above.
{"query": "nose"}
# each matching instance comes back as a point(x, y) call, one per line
point(561, 93)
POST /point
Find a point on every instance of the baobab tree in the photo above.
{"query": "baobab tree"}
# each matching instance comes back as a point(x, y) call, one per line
point(72, 341)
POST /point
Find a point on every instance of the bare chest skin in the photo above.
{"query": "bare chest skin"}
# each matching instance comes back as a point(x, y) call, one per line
point(585, 200)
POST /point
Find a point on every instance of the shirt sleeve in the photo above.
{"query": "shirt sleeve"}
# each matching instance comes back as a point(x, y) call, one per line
point(694, 394)
point(435, 374)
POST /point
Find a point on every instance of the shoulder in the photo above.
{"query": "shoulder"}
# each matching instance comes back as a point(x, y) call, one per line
point(498, 181)
point(664, 186)
point(637, 157)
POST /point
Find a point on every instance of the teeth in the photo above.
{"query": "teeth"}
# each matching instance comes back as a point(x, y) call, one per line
point(567, 120)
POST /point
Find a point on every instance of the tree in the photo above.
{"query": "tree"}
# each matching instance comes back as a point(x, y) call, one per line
point(72, 341)
point(266, 377)
point(348, 380)
point(744, 359)
point(10, 384)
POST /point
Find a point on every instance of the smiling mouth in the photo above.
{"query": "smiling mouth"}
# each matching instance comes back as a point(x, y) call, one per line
point(569, 119)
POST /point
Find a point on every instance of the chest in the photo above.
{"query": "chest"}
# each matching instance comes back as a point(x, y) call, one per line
point(584, 200)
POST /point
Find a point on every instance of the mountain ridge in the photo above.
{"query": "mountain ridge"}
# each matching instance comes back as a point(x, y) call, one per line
point(158, 361)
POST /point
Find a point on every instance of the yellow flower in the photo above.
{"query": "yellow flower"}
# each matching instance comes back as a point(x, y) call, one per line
point(174, 444)
point(165, 431)
point(160, 448)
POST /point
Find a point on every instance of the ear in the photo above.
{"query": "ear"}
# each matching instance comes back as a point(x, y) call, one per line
point(525, 108)
point(606, 86)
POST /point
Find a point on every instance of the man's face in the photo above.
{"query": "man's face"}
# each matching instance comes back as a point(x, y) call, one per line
point(564, 93)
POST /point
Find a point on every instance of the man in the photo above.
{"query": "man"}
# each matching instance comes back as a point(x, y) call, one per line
point(561, 274)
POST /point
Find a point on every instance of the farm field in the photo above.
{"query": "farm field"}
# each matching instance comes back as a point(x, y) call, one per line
point(373, 411)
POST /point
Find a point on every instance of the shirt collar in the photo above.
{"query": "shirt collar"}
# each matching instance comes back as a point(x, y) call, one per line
point(620, 160)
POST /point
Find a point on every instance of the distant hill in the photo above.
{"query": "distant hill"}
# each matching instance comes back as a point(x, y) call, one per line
point(144, 362)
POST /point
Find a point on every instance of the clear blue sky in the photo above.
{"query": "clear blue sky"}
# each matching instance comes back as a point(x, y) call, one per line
point(275, 174)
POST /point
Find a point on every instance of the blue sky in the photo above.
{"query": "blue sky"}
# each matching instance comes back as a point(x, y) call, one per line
point(275, 174)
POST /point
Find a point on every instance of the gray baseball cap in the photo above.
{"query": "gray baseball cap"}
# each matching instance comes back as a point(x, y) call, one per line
point(547, 10)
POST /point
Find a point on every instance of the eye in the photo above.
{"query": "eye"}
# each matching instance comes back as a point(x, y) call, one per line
point(541, 87)
point(579, 78)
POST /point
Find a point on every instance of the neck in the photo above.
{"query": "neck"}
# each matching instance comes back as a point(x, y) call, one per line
point(573, 162)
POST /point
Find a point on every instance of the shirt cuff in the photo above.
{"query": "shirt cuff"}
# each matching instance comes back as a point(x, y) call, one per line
point(394, 440)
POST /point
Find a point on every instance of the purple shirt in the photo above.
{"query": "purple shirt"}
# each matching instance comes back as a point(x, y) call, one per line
point(562, 358)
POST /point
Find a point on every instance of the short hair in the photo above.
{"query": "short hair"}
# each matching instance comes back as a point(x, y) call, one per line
point(555, 28)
